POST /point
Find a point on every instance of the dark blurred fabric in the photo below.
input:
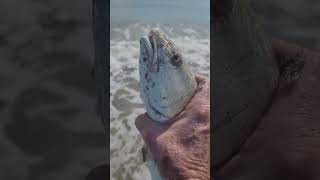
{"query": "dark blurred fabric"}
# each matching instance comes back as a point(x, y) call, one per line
point(99, 173)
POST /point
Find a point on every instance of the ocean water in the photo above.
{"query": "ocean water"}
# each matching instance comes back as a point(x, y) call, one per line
point(165, 11)
point(187, 24)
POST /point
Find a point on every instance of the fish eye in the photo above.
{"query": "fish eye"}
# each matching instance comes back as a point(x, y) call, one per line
point(176, 59)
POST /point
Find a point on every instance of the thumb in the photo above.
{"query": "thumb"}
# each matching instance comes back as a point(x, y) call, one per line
point(148, 128)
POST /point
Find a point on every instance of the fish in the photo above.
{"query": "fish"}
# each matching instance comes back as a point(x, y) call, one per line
point(167, 83)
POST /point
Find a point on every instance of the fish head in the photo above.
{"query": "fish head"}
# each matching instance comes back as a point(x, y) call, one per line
point(166, 80)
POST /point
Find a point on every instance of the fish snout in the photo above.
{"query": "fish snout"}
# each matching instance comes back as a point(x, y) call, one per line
point(146, 51)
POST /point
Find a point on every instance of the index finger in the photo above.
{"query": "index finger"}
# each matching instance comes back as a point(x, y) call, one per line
point(200, 78)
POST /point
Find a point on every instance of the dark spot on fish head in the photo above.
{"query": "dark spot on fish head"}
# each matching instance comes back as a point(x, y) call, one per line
point(144, 154)
point(144, 59)
point(155, 67)
point(146, 75)
point(176, 59)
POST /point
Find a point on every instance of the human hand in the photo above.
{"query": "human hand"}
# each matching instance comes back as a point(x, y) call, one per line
point(181, 146)
point(286, 144)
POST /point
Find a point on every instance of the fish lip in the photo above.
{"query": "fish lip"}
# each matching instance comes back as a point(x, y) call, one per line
point(151, 46)
point(148, 47)
point(148, 41)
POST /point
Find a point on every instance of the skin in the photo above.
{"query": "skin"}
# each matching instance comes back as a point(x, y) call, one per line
point(181, 146)
point(285, 144)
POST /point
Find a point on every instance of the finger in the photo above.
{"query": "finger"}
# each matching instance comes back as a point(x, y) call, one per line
point(200, 78)
point(202, 94)
point(148, 128)
point(282, 51)
point(202, 81)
